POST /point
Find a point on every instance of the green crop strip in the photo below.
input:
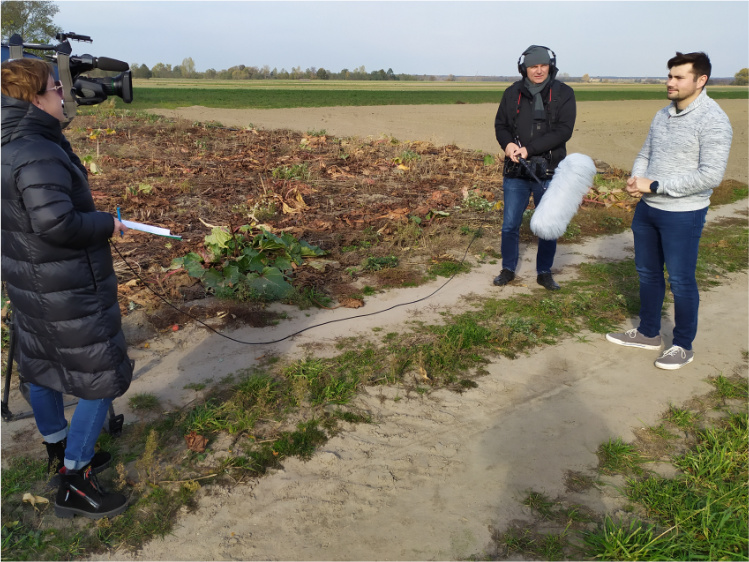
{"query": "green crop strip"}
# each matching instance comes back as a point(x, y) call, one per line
point(236, 98)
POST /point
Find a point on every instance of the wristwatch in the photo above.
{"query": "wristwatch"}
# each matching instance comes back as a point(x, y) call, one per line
point(654, 187)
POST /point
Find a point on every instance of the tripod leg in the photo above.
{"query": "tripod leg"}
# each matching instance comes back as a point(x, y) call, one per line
point(6, 413)
point(115, 423)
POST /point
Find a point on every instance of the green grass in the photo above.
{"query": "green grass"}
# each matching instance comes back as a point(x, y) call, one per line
point(170, 95)
point(683, 418)
point(323, 385)
point(615, 456)
point(730, 389)
point(542, 505)
point(724, 248)
point(699, 515)
point(143, 401)
point(17, 474)
point(448, 268)
point(170, 98)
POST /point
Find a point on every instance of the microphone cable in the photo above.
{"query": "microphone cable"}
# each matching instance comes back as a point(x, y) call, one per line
point(476, 235)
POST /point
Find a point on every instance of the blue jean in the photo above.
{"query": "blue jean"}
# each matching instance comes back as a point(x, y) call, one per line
point(85, 426)
point(672, 239)
point(517, 194)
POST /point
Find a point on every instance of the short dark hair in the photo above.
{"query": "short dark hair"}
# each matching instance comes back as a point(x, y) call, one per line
point(699, 61)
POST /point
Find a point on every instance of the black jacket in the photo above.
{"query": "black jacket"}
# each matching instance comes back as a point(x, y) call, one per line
point(515, 119)
point(56, 262)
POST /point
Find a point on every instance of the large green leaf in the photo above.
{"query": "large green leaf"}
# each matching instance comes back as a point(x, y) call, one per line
point(218, 241)
point(282, 263)
point(258, 263)
point(232, 275)
point(308, 250)
point(270, 284)
point(213, 279)
point(192, 263)
point(268, 241)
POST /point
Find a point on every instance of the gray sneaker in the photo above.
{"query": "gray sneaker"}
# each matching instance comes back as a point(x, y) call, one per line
point(633, 338)
point(674, 357)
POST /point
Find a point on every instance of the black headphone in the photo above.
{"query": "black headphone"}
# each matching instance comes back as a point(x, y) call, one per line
point(552, 63)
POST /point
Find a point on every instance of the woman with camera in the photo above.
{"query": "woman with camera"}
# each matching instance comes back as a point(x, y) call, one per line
point(534, 121)
point(58, 271)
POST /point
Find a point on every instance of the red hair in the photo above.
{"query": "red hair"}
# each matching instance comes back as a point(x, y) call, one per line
point(25, 78)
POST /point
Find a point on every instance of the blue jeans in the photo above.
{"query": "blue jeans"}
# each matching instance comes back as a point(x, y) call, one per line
point(85, 426)
point(672, 239)
point(517, 194)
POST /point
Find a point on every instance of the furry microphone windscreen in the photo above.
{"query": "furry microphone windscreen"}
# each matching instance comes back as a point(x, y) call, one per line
point(572, 180)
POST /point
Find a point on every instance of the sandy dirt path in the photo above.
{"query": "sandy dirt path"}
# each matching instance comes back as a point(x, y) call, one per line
point(432, 474)
point(430, 477)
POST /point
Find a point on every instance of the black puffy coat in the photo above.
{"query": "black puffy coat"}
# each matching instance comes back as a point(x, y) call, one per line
point(56, 262)
point(515, 119)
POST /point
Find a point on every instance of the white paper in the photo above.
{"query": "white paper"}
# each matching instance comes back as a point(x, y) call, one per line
point(151, 229)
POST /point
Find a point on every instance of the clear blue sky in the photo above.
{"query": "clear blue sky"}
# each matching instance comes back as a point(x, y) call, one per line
point(600, 38)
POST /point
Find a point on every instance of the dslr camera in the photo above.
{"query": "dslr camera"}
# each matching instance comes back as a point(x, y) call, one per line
point(78, 89)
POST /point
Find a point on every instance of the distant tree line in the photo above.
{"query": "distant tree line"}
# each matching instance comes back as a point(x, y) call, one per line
point(243, 72)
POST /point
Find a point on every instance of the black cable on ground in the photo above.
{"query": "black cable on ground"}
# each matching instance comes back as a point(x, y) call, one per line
point(476, 235)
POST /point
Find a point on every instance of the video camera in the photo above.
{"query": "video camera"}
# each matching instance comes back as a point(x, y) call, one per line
point(78, 89)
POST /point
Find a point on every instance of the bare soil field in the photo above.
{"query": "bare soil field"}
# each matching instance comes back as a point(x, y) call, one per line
point(609, 131)
point(435, 475)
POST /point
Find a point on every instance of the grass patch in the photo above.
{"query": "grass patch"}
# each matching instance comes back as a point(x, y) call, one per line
point(143, 402)
point(724, 248)
point(699, 514)
point(618, 457)
point(448, 268)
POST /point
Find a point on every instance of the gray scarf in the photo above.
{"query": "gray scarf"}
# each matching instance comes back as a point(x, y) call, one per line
point(539, 114)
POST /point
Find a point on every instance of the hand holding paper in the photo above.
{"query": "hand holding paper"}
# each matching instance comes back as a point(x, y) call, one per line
point(120, 227)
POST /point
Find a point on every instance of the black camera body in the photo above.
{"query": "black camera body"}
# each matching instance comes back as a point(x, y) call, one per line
point(535, 168)
point(78, 89)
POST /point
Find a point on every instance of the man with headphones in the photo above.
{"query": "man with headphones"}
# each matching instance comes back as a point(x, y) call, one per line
point(534, 121)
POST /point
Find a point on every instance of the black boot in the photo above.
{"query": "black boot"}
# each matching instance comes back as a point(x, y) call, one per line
point(547, 282)
point(504, 277)
point(56, 453)
point(81, 494)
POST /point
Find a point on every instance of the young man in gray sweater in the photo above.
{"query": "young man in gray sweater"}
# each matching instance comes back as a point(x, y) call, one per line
point(683, 159)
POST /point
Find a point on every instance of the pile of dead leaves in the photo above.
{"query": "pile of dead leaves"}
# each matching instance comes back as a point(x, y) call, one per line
point(353, 198)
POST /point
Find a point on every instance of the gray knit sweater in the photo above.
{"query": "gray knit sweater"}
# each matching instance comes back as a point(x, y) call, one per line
point(686, 153)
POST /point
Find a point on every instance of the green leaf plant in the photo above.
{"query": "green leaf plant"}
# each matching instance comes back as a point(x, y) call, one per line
point(245, 267)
